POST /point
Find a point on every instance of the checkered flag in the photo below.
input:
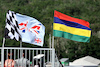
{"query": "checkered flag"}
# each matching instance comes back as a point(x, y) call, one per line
point(12, 28)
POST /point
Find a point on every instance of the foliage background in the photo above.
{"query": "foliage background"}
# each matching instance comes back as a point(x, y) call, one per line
point(43, 10)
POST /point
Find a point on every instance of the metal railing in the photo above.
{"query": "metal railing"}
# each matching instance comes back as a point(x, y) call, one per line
point(57, 62)
point(36, 56)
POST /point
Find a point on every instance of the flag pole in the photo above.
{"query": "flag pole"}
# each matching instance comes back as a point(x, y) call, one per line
point(3, 42)
point(20, 44)
point(2, 58)
point(20, 49)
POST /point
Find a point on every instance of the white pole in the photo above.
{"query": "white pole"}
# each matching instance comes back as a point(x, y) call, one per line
point(20, 49)
point(52, 41)
point(50, 46)
point(20, 44)
point(3, 42)
point(3, 52)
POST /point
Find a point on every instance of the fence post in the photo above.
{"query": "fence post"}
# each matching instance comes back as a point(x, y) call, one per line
point(2, 57)
point(2, 52)
point(53, 57)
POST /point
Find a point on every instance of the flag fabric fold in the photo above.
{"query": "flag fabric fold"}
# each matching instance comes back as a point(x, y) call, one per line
point(30, 29)
point(71, 28)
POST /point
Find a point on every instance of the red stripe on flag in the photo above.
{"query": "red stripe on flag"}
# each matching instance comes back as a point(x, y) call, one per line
point(68, 18)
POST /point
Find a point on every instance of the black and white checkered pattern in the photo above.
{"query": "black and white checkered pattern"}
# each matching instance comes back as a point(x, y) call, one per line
point(11, 28)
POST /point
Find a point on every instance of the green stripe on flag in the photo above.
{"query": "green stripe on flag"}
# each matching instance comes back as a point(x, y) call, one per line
point(70, 36)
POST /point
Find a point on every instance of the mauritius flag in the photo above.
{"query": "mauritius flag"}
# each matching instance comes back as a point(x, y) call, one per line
point(71, 28)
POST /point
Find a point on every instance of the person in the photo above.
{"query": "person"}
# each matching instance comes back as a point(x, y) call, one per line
point(22, 62)
point(36, 65)
point(9, 62)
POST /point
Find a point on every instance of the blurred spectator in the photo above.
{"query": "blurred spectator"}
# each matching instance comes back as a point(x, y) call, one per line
point(22, 62)
point(9, 62)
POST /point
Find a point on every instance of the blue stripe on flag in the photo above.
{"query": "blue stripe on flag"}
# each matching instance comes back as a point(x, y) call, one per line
point(69, 23)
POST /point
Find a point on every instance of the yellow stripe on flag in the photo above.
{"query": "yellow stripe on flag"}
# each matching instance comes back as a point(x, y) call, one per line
point(72, 30)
